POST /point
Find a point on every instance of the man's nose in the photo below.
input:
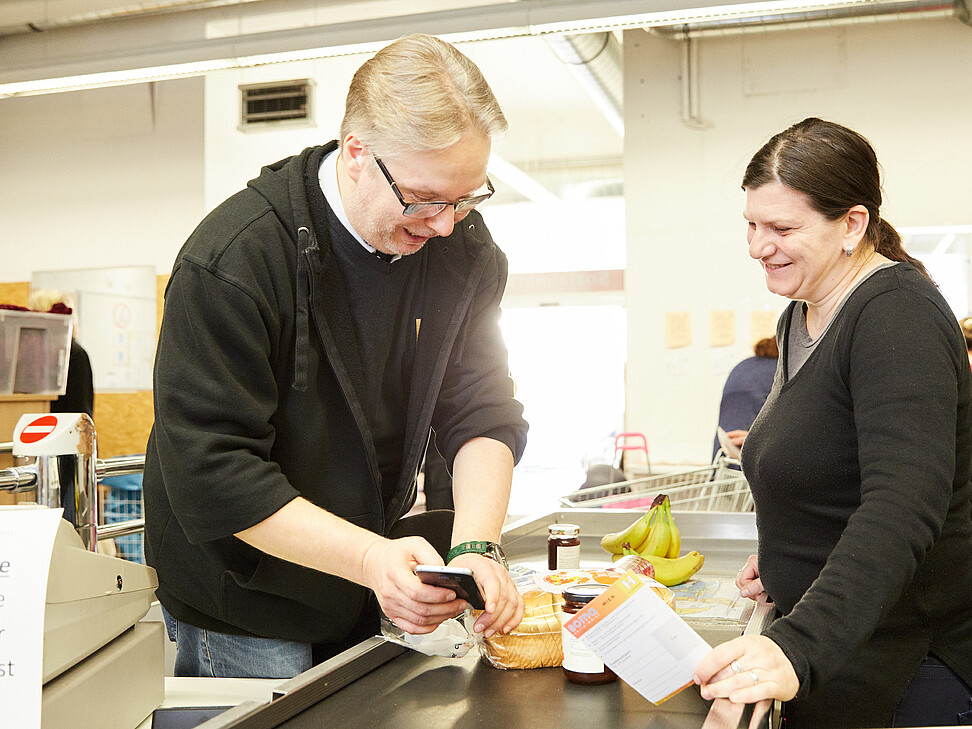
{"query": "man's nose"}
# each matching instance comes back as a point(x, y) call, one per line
point(443, 222)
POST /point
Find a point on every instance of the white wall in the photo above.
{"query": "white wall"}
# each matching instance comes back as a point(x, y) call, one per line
point(121, 176)
point(106, 177)
point(907, 86)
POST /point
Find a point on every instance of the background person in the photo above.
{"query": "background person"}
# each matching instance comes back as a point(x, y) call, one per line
point(966, 325)
point(317, 325)
point(745, 391)
point(78, 396)
point(859, 461)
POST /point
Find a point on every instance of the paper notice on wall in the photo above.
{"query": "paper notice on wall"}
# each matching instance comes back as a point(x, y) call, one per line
point(762, 324)
point(678, 329)
point(640, 638)
point(26, 542)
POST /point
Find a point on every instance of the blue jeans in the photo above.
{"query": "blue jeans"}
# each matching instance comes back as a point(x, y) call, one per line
point(936, 696)
point(206, 653)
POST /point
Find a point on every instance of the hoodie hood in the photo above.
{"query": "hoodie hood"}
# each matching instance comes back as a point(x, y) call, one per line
point(282, 184)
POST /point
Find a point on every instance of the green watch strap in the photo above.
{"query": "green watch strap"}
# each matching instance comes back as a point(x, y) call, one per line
point(469, 547)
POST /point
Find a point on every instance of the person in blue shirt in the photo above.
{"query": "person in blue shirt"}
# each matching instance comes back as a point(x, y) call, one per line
point(745, 391)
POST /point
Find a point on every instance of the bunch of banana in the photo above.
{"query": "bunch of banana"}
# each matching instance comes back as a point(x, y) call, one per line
point(655, 537)
point(654, 532)
point(674, 571)
point(637, 533)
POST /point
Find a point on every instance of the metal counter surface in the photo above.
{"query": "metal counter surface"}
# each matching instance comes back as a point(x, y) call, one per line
point(381, 684)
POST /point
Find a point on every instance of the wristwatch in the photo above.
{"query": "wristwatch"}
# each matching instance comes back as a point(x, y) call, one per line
point(487, 549)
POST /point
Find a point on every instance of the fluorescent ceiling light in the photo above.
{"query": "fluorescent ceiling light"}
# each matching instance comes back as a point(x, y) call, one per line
point(516, 22)
point(520, 180)
point(175, 70)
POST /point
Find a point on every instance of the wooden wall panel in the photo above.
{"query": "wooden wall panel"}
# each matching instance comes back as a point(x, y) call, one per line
point(15, 293)
point(123, 420)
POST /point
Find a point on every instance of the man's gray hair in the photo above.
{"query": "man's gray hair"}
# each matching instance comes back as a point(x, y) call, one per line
point(419, 94)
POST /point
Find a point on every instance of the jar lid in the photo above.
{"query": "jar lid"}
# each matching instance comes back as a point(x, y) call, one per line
point(563, 530)
point(584, 593)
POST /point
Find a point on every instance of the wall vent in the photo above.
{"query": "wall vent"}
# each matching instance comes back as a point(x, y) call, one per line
point(270, 104)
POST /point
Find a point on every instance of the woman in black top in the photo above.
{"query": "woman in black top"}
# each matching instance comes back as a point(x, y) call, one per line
point(859, 462)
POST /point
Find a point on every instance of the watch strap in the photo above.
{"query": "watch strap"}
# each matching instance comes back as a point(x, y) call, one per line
point(484, 548)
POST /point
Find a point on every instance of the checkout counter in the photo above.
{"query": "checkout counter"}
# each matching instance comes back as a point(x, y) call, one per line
point(105, 664)
point(379, 683)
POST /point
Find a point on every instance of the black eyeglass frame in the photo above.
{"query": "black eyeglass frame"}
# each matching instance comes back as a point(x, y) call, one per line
point(463, 205)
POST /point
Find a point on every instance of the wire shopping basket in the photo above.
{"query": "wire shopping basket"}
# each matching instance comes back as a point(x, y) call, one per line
point(720, 486)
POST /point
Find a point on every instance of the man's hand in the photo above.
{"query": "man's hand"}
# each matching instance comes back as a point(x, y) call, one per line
point(412, 605)
point(504, 604)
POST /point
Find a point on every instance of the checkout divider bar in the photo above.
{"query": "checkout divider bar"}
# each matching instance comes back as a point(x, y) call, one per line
point(310, 687)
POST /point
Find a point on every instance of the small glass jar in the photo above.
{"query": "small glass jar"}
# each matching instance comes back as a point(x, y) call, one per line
point(563, 547)
point(580, 664)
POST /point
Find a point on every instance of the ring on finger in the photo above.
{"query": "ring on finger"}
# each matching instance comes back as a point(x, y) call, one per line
point(754, 677)
point(736, 668)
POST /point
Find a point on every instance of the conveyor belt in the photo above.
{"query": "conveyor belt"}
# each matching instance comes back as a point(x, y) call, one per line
point(379, 684)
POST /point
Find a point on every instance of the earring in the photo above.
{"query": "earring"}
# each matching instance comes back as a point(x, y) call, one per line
point(848, 251)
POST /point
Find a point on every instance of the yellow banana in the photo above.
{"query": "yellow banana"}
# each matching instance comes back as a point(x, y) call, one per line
point(675, 545)
point(675, 571)
point(634, 534)
point(659, 535)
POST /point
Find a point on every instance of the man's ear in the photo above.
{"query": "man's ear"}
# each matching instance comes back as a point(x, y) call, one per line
point(355, 156)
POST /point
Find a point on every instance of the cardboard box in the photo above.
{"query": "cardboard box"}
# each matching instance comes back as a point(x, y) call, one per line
point(35, 350)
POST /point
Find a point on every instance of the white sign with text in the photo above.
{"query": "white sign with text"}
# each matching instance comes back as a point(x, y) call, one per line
point(26, 543)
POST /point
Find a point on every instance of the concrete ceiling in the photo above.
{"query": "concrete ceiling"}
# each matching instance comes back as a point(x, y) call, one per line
point(557, 134)
point(548, 109)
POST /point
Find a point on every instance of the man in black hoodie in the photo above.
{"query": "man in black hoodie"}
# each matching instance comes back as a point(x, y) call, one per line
point(317, 326)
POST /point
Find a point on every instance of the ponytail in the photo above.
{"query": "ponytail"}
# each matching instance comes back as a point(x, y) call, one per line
point(888, 244)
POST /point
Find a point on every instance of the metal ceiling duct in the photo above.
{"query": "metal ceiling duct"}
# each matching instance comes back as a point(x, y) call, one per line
point(597, 61)
point(900, 10)
point(116, 12)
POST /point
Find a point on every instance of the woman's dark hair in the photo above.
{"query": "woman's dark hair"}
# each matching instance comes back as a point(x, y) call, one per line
point(836, 168)
point(766, 347)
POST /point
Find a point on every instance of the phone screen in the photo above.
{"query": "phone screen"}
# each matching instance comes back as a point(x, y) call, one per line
point(458, 579)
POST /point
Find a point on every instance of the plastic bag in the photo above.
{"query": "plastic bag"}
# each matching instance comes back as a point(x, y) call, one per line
point(449, 640)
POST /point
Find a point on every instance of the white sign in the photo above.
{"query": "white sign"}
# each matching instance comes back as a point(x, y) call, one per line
point(640, 638)
point(26, 543)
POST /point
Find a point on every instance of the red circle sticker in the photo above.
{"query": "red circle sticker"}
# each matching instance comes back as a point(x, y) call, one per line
point(38, 429)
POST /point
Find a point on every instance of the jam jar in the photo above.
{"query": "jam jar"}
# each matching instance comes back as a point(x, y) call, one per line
point(563, 547)
point(580, 664)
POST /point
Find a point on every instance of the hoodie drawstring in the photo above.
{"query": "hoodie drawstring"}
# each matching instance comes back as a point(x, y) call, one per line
point(306, 244)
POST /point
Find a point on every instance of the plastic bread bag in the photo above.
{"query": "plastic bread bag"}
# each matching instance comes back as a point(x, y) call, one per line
point(536, 641)
point(449, 640)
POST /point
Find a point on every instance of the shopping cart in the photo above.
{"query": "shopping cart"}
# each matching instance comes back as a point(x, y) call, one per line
point(720, 486)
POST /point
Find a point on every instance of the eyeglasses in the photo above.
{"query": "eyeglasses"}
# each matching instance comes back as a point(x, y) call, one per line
point(429, 209)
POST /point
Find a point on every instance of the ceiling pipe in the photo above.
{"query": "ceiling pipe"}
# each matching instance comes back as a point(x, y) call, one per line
point(117, 13)
point(903, 10)
point(596, 60)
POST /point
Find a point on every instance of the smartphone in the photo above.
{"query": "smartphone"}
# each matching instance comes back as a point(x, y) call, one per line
point(460, 580)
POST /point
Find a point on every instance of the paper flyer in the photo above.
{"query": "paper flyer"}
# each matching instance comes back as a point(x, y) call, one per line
point(640, 638)
point(26, 542)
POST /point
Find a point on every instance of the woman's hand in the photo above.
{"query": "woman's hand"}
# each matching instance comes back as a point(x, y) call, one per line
point(504, 604)
point(736, 437)
point(747, 579)
point(751, 669)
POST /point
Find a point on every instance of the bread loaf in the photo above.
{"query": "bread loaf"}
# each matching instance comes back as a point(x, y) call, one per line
point(535, 642)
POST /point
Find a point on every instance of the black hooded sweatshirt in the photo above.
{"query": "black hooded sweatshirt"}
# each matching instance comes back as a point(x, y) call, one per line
point(258, 383)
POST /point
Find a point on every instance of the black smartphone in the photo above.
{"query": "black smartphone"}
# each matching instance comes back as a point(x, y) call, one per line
point(460, 580)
